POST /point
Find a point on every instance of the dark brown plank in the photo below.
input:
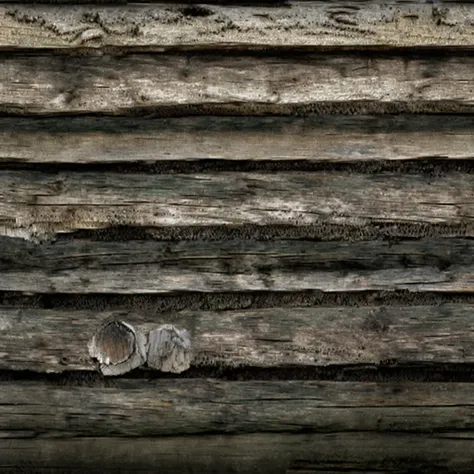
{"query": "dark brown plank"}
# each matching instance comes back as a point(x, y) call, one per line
point(249, 454)
point(44, 84)
point(57, 340)
point(338, 138)
point(195, 406)
point(300, 24)
point(84, 266)
point(33, 201)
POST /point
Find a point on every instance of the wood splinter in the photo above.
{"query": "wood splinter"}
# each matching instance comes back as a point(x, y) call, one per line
point(169, 349)
point(118, 347)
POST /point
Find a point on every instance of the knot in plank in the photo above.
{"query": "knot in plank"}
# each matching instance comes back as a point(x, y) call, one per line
point(118, 347)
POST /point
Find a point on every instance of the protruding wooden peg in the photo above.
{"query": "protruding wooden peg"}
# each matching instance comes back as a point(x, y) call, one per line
point(169, 349)
point(118, 347)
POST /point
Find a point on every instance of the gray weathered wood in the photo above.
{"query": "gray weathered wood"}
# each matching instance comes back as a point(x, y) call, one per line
point(192, 406)
point(269, 453)
point(131, 267)
point(44, 84)
point(65, 201)
point(169, 349)
point(299, 24)
point(314, 138)
point(56, 340)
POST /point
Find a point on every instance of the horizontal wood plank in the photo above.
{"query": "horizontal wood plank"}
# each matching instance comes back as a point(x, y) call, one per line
point(44, 84)
point(68, 201)
point(35, 201)
point(338, 139)
point(194, 406)
point(299, 24)
point(151, 267)
point(56, 340)
point(269, 453)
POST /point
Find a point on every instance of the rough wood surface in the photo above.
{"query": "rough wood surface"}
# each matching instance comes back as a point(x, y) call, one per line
point(44, 84)
point(151, 267)
point(299, 24)
point(314, 138)
point(56, 340)
point(192, 406)
point(263, 453)
point(33, 201)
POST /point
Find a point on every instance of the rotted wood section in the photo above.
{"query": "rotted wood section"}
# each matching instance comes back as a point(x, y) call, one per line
point(304, 170)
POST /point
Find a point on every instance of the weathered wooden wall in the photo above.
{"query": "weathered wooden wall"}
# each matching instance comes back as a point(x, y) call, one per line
point(292, 183)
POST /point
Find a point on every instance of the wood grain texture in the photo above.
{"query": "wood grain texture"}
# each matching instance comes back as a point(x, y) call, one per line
point(300, 24)
point(56, 340)
point(269, 453)
point(150, 267)
point(136, 408)
point(34, 201)
point(44, 84)
point(314, 139)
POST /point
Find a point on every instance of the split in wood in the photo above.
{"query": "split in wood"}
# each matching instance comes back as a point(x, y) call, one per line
point(120, 348)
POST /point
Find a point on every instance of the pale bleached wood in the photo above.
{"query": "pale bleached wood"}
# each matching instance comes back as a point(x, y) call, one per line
point(194, 406)
point(151, 267)
point(44, 84)
point(33, 201)
point(267, 453)
point(56, 340)
point(300, 24)
point(315, 139)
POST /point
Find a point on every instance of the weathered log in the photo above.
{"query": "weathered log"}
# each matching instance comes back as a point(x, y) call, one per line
point(263, 453)
point(298, 24)
point(151, 267)
point(66, 201)
point(45, 84)
point(194, 406)
point(314, 139)
point(56, 340)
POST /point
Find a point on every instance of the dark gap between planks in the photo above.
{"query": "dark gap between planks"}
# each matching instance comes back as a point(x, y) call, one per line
point(290, 52)
point(254, 50)
point(268, 3)
point(228, 301)
point(388, 371)
point(242, 109)
point(324, 232)
point(281, 51)
point(430, 166)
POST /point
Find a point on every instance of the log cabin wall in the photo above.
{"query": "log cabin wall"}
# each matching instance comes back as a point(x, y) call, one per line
point(291, 184)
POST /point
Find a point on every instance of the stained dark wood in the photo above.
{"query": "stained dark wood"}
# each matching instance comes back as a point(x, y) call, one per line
point(57, 340)
point(338, 139)
point(32, 202)
point(299, 24)
point(86, 266)
point(44, 84)
point(192, 406)
point(262, 453)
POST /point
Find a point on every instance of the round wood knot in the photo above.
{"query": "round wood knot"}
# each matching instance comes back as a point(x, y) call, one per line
point(169, 349)
point(118, 347)
point(115, 342)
